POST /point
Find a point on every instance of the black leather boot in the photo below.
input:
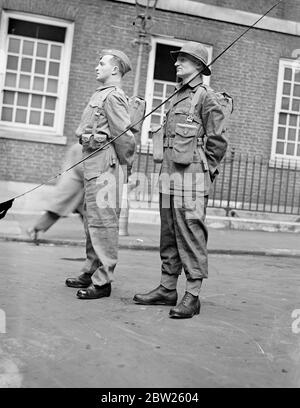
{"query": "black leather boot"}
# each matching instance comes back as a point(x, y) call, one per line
point(187, 307)
point(157, 296)
point(94, 292)
point(83, 281)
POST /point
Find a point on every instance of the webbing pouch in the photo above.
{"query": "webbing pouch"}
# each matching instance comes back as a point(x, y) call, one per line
point(185, 143)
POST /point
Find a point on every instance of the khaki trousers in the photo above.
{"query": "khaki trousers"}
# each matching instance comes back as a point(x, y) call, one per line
point(102, 206)
point(183, 241)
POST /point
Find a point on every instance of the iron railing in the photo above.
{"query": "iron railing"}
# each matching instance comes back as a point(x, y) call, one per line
point(246, 182)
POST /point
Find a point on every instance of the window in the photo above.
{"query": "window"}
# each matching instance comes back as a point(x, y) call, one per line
point(164, 81)
point(35, 71)
point(161, 81)
point(286, 135)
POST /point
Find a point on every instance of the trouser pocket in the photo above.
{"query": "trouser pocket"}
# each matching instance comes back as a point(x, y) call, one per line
point(158, 149)
point(99, 162)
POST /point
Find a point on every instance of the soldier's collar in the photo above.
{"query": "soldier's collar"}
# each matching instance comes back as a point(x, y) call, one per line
point(109, 85)
point(195, 82)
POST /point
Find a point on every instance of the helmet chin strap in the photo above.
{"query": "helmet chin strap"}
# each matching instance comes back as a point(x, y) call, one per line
point(4, 206)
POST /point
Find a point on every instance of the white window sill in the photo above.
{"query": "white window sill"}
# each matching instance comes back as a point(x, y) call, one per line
point(32, 136)
point(285, 163)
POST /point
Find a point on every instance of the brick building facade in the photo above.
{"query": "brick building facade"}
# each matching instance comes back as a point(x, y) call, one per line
point(38, 118)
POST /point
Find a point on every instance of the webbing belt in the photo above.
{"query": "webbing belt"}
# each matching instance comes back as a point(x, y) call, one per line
point(169, 141)
point(94, 140)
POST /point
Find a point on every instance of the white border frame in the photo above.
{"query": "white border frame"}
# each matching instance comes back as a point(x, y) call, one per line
point(150, 72)
point(11, 131)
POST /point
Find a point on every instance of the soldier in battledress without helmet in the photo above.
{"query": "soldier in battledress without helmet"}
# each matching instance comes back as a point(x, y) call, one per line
point(105, 117)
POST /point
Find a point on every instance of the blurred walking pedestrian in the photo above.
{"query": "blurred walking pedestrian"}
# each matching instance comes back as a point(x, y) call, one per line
point(67, 196)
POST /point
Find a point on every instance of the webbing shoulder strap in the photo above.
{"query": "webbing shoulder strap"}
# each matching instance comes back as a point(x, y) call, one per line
point(103, 95)
point(190, 118)
point(194, 102)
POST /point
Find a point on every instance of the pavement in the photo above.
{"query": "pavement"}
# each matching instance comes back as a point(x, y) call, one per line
point(145, 236)
point(247, 334)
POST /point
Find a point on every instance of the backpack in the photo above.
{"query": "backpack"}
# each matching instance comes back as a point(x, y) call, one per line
point(225, 101)
point(137, 110)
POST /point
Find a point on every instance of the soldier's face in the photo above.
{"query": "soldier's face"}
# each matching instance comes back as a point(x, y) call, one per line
point(185, 67)
point(104, 69)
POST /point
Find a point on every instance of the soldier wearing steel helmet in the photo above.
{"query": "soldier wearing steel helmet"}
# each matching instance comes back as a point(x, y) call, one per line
point(194, 145)
point(105, 117)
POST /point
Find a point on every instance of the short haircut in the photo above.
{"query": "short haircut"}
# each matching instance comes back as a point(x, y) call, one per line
point(119, 63)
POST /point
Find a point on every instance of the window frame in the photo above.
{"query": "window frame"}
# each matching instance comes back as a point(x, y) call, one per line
point(277, 158)
point(150, 80)
point(39, 133)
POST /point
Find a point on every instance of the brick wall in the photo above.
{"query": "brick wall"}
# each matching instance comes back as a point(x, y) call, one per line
point(248, 71)
point(94, 20)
